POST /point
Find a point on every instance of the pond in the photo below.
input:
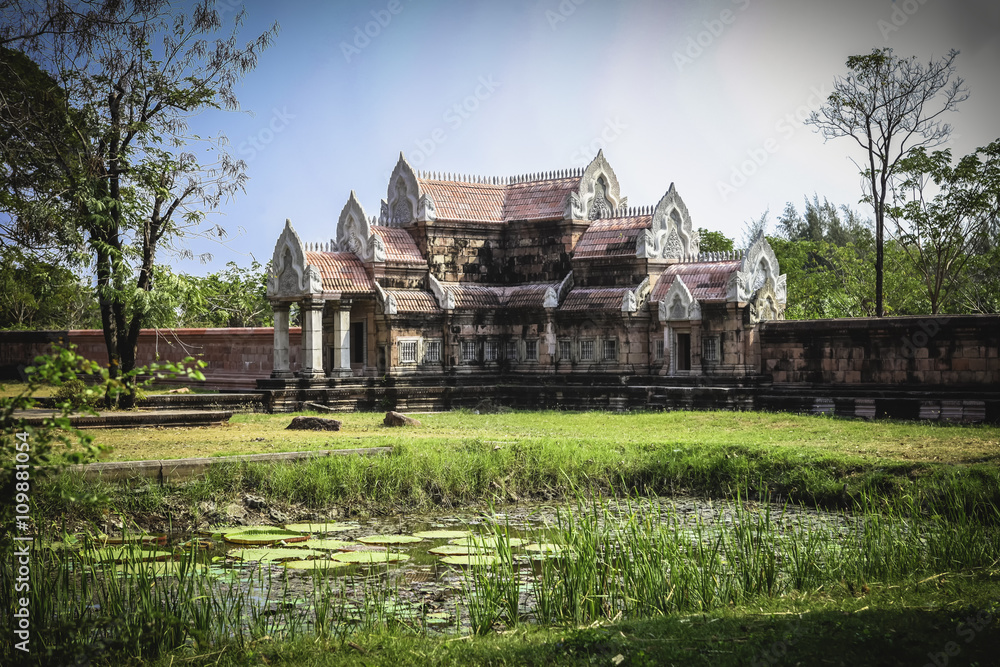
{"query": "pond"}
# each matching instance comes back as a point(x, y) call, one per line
point(479, 570)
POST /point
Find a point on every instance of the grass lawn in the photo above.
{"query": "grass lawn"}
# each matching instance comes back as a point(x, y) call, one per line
point(600, 431)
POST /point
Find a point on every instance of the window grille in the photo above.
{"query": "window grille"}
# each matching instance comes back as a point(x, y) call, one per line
point(565, 350)
point(407, 351)
point(610, 350)
point(512, 350)
point(586, 350)
point(468, 350)
point(491, 350)
point(531, 350)
point(432, 352)
point(710, 348)
point(659, 348)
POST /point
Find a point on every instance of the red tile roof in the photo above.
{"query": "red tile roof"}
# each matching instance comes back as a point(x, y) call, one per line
point(539, 200)
point(611, 237)
point(475, 296)
point(455, 200)
point(708, 281)
point(414, 301)
point(488, 202)
point(341, 272)
point(400, 248)
point(594, 298)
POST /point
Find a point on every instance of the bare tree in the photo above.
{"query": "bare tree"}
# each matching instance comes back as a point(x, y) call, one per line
point(889, 106)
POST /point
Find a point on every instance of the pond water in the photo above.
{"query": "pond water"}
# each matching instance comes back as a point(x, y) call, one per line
point(429, 590)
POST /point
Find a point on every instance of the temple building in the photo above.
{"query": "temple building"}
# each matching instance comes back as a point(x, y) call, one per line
point(549, 273)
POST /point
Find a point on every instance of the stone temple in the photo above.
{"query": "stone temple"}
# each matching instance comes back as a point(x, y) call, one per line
point(549, 273)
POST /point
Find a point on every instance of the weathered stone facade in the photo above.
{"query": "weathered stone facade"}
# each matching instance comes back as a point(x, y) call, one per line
point(540, 274)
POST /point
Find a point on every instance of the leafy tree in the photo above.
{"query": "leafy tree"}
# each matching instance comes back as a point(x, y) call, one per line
point(889, 106)
point(113, 161)
point(941, 231)
point(235, 297)
point(714, 241)
point(40, 294)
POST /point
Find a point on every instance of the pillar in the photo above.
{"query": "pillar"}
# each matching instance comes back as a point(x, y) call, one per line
point(280, 361)
point(312, 338)
point(342, 339)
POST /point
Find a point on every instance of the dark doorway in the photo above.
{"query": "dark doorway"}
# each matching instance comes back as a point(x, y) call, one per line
point(358, 343)
point(684, 352)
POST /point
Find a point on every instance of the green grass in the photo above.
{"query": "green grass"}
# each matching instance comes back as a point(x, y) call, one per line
point(459, 458)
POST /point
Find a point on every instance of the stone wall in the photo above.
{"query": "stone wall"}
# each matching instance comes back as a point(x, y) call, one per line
point(235, 357)
point(956, 351)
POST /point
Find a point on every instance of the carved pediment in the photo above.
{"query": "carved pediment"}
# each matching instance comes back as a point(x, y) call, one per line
point(678, 303)
point(290, 275)
point(673, 234)
point(759, 264)
point(599, 193)
point(765, 305)
point(385, 300)
point(403, 197)
point(355, 233)
point(633, 300)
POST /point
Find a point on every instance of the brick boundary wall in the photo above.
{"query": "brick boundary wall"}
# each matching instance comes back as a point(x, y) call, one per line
point(236, 357)
point(959, 351)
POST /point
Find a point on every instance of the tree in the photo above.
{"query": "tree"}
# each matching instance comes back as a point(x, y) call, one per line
point(113, 160)
point(40, 294)
point(889, 106)
point(941, 232)
point(714, 241)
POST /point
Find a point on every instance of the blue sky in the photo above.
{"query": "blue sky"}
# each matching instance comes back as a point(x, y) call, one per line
point(708, 94)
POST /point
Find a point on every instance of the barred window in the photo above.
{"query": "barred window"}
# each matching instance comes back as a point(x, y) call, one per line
point(407, 351)
point(468, 350)
point(531, 350)
point(432, 352)
point(610, 350)
point(491, 350)
point(659, 348)
point(512, 350)
point(565, 350)
point(710, 348)
point(586, 350)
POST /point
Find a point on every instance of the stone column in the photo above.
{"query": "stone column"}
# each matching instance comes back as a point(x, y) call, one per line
point(666, 369)
point(280, 366)
point(312, 338)
point(342, 339)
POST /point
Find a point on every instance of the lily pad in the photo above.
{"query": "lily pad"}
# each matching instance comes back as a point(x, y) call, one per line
point(545, 548)
point(319, 527)
point(367, 557)
point(486, 541)
point(320, 564)
point(213, 531)
point(471, 559)
point(437, 618)
point(263, 535)
point(270, 555)
point(442, 534)
point(389, 539)
point(454, 550)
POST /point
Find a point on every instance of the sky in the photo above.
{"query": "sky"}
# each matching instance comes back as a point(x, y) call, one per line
point(707, 94)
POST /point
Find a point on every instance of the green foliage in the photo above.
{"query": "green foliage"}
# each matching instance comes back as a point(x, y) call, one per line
point(945, 215)
point(714, 241)
point(36, 293)
point(76, 394)
point(234, 297)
